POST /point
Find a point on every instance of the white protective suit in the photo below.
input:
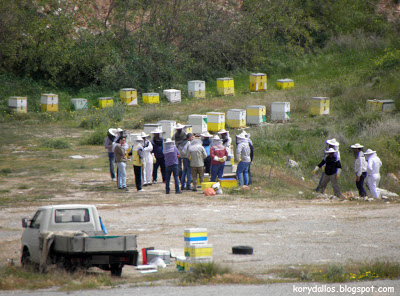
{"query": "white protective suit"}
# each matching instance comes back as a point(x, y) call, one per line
point(147, 162)
point(373, 176)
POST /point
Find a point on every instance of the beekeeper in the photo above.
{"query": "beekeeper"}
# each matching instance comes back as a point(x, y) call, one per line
point(147, 160)
point(360, 168)
point(183, 148)
point(330, 143)
point(197, 154)
point(137, 155)
point(373, 177)
point(108, 144)
point(242, 157)
point(157, 142)
point(219, 155)
point(207, 142)
point(333, 168)
point(179, 136)
point(247, 135)
point(171, 154)
point(226, 141)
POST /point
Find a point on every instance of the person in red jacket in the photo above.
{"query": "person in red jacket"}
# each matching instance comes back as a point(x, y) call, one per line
point(218, 154)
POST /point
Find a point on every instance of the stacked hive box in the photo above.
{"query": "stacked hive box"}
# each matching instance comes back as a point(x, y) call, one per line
point(285, 83)
point(79, 104)
point(188, 129)
point(319, 106)
point(230, 167)
point(198, 122)
point(280, 111)
point(149, 127)
point(215, 121)
point(197, 249)
point(105, 102)
point(151, 98)
point(129, 96)
point(381, 105)
point(18, 104)
point(172, 95)
point(228, 182)
point(197, 89)
point(49, 102)
point(256, 114)
point(167, 128)
point(236, 118)
point(258, 82)
point(225, 86)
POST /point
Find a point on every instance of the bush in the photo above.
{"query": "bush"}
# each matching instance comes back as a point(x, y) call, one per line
point(95, 138)
point(59, 143)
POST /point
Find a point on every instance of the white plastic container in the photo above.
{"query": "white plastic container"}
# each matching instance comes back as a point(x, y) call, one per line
point(280, 111)
point(149, 127)
point(197, 89)
point(172, 95)
point(198, 122)
point(18, 104)
point(168, 128)
point(79, 104)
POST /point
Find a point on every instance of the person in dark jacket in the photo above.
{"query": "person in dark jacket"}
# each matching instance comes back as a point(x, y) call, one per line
point(157, 143)
point(333, 169)
point(207, 146)
point(179, 136)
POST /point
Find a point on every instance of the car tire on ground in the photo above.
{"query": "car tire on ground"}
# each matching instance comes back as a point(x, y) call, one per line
point(242, 250)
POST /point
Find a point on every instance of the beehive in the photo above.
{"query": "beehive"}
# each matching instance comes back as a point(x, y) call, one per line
point(79, 104)
point(258, 82)
point(149, 127)
point(198, 123)
point(180, 263)
point(319, 106)
point(215, 121)
point(49, 102)
point(105, 102)
point(229, 169)
point(256, 114)
point(18, 104)
point(195, 235)
point(236, 118)
point(225, 86)
point(197, 89)
point(285, 83)
point(280, 111)
point(381, 105)
point(206, 185)
point(167, 128)
point(129, 96)
point(198, 250)
point(151, 98)
point(188, 128)
point(228, 182)
point(172, 95)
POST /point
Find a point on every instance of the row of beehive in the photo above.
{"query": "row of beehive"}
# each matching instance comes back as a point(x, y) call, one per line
point(196, 247)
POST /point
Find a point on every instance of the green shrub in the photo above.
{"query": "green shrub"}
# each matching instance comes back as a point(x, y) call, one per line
point(58, 143)
point(204, 272)
point(95, 138)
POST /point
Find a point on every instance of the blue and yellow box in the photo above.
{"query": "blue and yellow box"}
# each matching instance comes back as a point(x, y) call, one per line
point(198, 250)
point(195, 235)
point(285, 83)
point(151, 98)
point(258, 82)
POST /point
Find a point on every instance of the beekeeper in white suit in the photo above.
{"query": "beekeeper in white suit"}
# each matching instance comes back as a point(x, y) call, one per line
point(147, 160)
point(373, 176)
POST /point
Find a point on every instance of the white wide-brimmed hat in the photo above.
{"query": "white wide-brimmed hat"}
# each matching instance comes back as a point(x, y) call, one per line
point(216, 138)
point(241, 136)
point(206, 134)
point(119, 130)
point(139, 138)
point(113, 131)
point(330, 150)
point(144, 135)
point(158, 130)
point(369, 151)
point(332, 142)
point(222, 132)
point(357, 146)
point(168, 140)
point(179, 126)
point(245, 134)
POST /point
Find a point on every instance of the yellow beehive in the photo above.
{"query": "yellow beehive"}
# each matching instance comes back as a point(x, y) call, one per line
point(49, 102)
point(258, 82)
point(190, 263)
point(381, 105)
point(151, 98)
point(105, 102)
point(215, 121)
point(195, 235)
point(197, 89)
point(225, 86)
point(180, 263)
point(198, 250)
point(188, 129)
point(236, 118)
point(129, 96)
point(206, 185)
point(228, 182)
point(285, 83)
point(256, 114)
point(18, 104)
point(319, 106)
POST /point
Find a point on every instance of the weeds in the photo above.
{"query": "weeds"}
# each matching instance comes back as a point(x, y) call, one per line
point(58, 143)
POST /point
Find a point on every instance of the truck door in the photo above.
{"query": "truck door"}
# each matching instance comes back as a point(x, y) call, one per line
point(30, 236)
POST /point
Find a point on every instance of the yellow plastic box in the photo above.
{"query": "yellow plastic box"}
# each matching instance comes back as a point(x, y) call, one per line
point(225, 86)
point(258, 82)
point(285, 83)
point(205, 185)
point(105, 102)
point(228, 182)
point(151, 98)
point(215, 121)
point(319, 106)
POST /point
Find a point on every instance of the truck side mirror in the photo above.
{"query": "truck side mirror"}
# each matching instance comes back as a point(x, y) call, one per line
point(24, 222)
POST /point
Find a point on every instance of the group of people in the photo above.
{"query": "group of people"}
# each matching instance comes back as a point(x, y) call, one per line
point(185, 157)
point(366, 167)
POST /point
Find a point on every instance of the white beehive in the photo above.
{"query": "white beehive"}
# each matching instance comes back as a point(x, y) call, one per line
point(256, 114)
point(172, 95)
point(18, 104)
point(198, 122)
point(236, 118)
point(149, 127)
point(215, 121)
point(280, 111)
point(49, 102)
point(167, 128)
point(79, 104)
point(197, 89)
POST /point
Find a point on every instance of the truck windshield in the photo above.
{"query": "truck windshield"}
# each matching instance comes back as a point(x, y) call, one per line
point(72, 216)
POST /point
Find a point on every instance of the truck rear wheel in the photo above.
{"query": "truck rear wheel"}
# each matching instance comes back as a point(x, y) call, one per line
point(116, 269)
point(26, 258)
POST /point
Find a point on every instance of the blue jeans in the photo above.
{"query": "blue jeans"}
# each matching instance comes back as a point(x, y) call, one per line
point(111, 158)
point(186, 174)
point(217, 170)
point(121, 178)
point(172, 169)
point(242, 171)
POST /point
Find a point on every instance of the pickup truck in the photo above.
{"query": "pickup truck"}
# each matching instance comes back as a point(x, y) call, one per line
point(73, 236)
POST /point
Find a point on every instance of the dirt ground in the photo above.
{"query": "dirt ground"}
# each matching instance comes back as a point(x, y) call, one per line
point(282, 232)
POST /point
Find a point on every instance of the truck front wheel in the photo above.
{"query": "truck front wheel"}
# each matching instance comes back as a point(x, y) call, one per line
point(116, 269)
